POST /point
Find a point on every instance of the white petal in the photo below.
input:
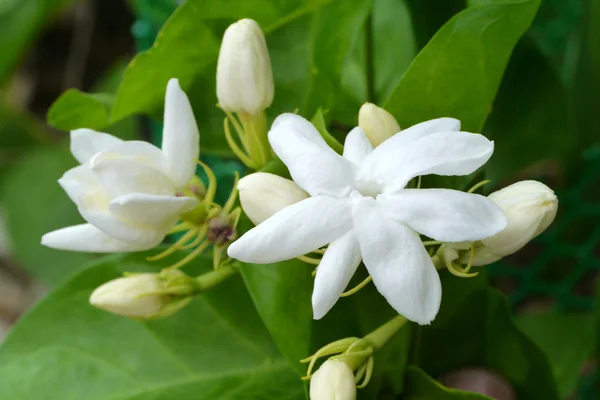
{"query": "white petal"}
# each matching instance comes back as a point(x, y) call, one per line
point(86, 237)
point(181, 139)
point(135, 151)
point(314, 166)
point(441, 153)
point(120, 177)
point(124, 230)
point(445, 215)
point(357, 146)
point(334, 272)
point(294, 231)
point(396, 259)
point(150, 210)
point(85, 143)
point(82, 185)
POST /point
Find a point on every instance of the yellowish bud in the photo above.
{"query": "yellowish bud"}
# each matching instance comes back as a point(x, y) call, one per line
point(378, 124)
point(333, 381)
point(263, 194)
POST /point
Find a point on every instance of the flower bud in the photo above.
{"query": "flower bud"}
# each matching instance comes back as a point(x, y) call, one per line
point(136, 296)
point(530, 207)
point(263, 194)
point(333, 381)
point(244, 76)
point(378, 124)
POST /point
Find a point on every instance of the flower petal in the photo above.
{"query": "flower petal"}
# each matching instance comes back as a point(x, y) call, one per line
point(120, 177)
point(86, 237)
point(445, 215)
point(441, 153)
point(133, 150)
point(123, 230)
point(85, 143)
point(314, 166)
point(396, 259)
point(357, 146)
point(151, 210)
point(81, 184)
point(181, 138)
point(335, 270)
point(294, 231)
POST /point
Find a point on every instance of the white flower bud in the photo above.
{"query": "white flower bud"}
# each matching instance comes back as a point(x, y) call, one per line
point(333, 381)
point(530, 208)
point(378, 124)
point(263, 194)
point(244, 76)
point(133, 296)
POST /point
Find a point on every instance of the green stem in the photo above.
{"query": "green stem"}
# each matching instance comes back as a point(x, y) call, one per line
point(370, 62)
point(380, 336)
point(213, 278)
point(255, 132)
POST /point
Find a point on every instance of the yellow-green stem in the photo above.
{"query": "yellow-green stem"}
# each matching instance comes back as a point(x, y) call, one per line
point(379, 337)
point(213, 278)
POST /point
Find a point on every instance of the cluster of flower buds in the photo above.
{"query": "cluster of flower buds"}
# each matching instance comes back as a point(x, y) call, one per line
point(245, 88)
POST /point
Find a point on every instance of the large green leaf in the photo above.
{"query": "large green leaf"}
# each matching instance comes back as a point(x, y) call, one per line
point(530, 120)
point(75, 109)
point(550, 331)
point(35, 204)
point(481, 333)
point(420, 386)
point(216, 348)
point(458, 73)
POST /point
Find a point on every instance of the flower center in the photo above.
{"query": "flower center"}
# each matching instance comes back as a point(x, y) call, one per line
point(369, 188)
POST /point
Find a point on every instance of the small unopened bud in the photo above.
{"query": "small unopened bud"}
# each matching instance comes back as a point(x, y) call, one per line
point(263, 194)
point(378, 124)
point(221, 230)
point(333, 381)
point(244, 76)
point(136, 296)
point(530, 207)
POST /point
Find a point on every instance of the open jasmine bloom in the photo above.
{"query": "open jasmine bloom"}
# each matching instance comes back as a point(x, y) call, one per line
point(129, 192)
point(359, 206)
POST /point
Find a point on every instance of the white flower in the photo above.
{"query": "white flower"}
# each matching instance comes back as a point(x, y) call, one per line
point(263, 194)
point(333, 381)
point(360, 207)
point(134, 296)
point(127, 190)
point(378, 124)
point(244, 76)
point(530, 207)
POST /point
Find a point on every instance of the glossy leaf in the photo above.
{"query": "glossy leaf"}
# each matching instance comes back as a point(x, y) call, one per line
point(216, 347)
point(420, 386)
point(567, 339)
point(75, 109)
point(458, 73)
point(481, 333)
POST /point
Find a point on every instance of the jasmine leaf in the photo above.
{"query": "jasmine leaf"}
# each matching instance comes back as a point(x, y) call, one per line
point(217, 347)
point(458, 72)
point(420, 386)
point(75, 109)
point(480, 332)
point(550, 331)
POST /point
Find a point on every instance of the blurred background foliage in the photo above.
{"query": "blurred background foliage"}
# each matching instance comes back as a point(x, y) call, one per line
point(66, 64)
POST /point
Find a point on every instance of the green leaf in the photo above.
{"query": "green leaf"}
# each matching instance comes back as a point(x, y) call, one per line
point(481, 333)
point(36, 204)
point(530, 121)
point(551, 331)
point(19, 22)
point(420, 386)
point(458, 73)
point(429, 16)
point(75, 109)
point(215, 348)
